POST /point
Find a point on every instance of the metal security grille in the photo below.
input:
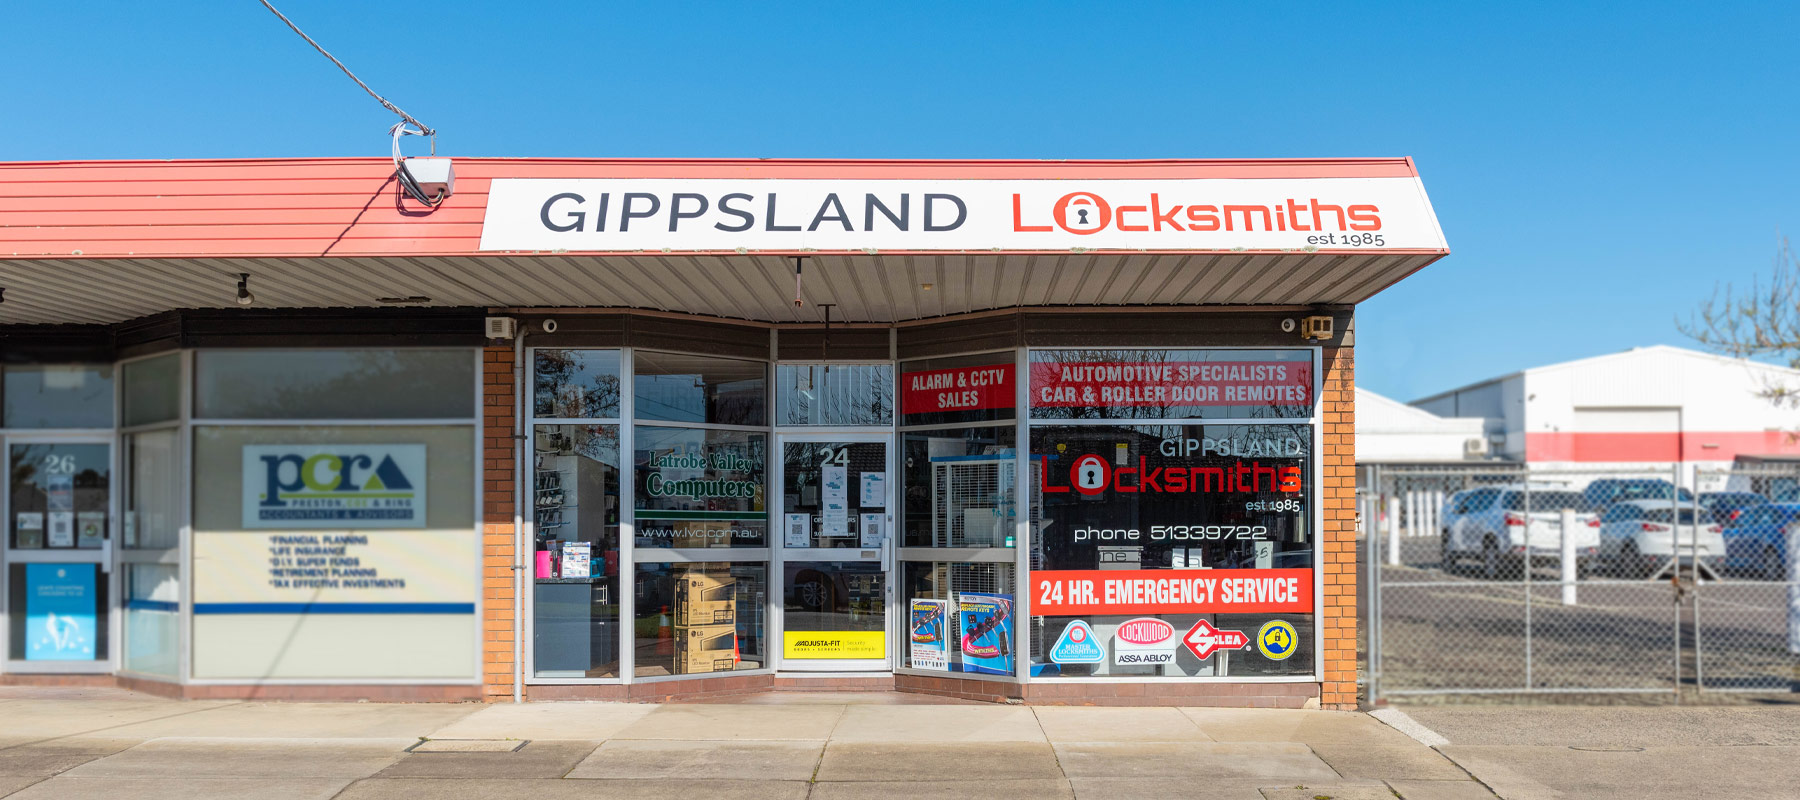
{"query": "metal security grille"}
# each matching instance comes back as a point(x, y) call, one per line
point(1498, 581)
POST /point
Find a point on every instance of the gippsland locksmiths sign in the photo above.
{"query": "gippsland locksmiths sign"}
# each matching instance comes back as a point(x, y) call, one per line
point(334, 486)
point(863, 215)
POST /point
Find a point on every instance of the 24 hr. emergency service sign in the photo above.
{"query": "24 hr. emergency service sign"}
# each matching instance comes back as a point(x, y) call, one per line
point(603, 215)
point(1211, 591)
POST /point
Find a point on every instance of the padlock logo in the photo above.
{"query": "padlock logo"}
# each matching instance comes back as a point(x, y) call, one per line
point(1088, 474)
point(1082, 213)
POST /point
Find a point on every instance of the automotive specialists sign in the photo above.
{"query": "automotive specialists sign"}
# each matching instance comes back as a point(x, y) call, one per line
point(707, 214)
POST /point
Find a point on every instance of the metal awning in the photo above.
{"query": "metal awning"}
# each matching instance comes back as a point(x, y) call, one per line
point(103, 242)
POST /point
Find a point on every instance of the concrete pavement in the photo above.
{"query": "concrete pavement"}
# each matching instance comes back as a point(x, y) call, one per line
point(1529, 752)
point(66, 743)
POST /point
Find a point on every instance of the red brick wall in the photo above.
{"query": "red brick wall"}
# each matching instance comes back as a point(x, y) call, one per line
point(1337, 496)
point(497, 461)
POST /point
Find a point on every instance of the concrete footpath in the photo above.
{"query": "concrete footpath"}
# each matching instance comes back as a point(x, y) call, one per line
point(67, 743)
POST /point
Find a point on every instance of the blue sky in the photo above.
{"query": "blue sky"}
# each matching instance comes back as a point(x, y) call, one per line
point(1596, 170)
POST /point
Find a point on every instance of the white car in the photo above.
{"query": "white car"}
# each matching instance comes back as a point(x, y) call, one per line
point(1497, 524)
point(1638, 538)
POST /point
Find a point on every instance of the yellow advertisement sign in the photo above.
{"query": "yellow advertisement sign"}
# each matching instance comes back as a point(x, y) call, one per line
point(834, 644)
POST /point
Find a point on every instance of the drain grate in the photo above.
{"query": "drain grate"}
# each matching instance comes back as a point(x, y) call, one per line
point(468, 745)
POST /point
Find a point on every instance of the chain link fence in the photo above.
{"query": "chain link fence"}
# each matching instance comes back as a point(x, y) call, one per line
point(1502, 580)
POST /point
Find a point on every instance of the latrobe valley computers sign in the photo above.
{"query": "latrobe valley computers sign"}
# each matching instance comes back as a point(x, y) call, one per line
point(711, 214)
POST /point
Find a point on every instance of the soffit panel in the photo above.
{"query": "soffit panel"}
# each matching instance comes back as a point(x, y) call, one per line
point(871, 288)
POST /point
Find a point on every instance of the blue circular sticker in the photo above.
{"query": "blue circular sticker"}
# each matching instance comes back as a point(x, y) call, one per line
point(1277, 640)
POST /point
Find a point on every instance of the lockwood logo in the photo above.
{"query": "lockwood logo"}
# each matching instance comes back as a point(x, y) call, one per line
point(334, 486)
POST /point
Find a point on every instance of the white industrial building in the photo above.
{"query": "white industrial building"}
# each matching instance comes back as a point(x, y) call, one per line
point(1647, 407)
point(1391, 432)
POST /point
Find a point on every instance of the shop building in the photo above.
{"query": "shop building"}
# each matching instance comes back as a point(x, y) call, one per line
point(635, 429)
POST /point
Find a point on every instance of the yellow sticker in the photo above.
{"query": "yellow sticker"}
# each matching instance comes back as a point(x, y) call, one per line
point(1277, 640)
point(834, 644)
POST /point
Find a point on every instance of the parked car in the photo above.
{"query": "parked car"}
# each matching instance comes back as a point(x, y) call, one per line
point(1639, 537)
point(1756, 543)
point(1726, 506)
point(1493, 524)
point(1606, 491)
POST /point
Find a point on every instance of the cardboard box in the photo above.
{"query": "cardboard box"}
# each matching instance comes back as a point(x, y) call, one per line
point(704, 661)
point(703, 599)
point(705, 648)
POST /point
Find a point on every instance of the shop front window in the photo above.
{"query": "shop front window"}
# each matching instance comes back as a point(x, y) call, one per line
point(1173, 548)
point(152, 390)
point(682, 388)
point(60, 494)
point(959, 515)
point(334, 384)
point(58, 396)
point(700, 488)
point(697, 618)
point(575, 384)
point(837, 394)
point(575, 573)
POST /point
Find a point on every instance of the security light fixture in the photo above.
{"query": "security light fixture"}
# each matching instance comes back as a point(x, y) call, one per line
point(244, 297)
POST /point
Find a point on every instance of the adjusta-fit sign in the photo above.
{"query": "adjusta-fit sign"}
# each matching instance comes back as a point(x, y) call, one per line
point(860, 215)
point(334, 486)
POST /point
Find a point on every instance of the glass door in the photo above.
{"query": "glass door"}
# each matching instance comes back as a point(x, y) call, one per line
point(59, 555)
point(834, 551)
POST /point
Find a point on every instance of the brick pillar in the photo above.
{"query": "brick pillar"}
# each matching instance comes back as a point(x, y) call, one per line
point(497, 460)
point(1337, 493)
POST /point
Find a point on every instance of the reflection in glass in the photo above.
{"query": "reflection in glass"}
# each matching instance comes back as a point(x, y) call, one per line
point(154, 501)
point(700, 488)
point(334, 384)
point(59, 495)
point(575, 559)
point(959, 487)
point(834, 494)
point(153, 390)
point(683, 388)
point(57, 396)
point(1171, 384)
point(815, 394)
point(575, 384)
point(699, 618)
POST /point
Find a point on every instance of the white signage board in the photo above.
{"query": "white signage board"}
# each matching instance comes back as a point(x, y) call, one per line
point(334, 486)
point(714, 214)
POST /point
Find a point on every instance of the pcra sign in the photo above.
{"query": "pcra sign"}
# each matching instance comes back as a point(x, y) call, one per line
point(334, 486)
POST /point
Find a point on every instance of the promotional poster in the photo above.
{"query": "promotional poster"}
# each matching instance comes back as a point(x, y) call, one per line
point(930, 634)
point(60, 612)
point(986, 621)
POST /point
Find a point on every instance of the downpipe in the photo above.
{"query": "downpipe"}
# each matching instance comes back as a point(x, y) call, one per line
point(518, 565)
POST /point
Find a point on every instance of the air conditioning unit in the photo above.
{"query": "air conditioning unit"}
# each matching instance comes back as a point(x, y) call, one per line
point(501, 327)
point(1474, 448)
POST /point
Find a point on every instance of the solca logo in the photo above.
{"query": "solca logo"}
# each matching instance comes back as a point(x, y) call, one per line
point(294, 477)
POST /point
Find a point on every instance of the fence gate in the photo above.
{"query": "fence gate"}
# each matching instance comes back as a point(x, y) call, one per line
point(1508, 581)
